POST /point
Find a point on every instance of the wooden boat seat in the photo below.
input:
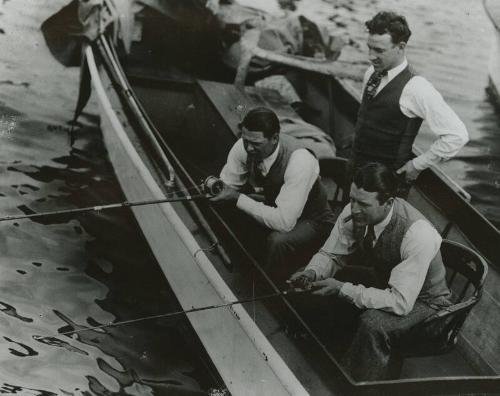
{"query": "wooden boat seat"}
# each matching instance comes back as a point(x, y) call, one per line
point(438, 334)
point(333, 173)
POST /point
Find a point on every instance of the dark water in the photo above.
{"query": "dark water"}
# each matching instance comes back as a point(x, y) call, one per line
point(72, 272)
point(64, 273)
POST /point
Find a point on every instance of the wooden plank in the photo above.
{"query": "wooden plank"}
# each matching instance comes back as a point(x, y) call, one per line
point(480, 329)
point(232, 103)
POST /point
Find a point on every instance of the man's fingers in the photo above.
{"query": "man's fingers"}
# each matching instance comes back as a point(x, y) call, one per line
point(319, 291)
point(295, 276)
point(214, 198)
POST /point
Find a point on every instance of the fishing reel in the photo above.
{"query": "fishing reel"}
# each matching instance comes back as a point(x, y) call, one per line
point(303, 282)
point(212, 186)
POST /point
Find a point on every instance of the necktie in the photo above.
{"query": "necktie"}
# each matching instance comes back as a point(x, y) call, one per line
point(373, 83)
point(369, 238)
point(254, 172)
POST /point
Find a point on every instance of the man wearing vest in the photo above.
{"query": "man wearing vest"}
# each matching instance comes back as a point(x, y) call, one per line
point(293, 203)
point(394, 103)
point(392, 272)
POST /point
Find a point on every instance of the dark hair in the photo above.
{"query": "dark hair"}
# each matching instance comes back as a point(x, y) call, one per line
point(376, 177)
point(261, 119)
point(392, 23)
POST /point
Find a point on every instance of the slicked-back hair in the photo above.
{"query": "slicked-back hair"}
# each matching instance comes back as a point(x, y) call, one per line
point(263, 120)
point(376, 177)
point(392, 23)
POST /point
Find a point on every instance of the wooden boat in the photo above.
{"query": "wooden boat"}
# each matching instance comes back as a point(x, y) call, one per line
point(158, 122)
point(493, 11)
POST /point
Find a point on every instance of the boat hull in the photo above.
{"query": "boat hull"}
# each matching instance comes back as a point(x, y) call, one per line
point(240, 354)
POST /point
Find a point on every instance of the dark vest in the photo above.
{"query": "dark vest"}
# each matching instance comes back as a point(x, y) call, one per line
point(316, 207)
point(385, 255)
point(383, 133)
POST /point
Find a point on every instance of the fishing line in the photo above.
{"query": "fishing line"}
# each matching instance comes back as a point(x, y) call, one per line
point(187, 311)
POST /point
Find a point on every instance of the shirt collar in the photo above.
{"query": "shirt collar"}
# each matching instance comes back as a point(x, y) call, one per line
point(267, 162)
point(378, 228)
point(396, 70)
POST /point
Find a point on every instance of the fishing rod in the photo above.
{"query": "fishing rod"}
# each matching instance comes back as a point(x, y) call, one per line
point(210, 187)
point(291, 291)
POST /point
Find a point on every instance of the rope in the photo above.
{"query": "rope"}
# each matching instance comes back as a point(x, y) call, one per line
point(199, 309)
point(207, 249)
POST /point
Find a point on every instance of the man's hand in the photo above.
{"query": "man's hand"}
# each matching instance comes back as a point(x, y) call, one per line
point(411, 173)
point(301, 279)
point(327, 287)
point(227, 194)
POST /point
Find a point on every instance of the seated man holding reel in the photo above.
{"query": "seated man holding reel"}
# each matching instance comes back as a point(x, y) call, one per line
point(293, 204)
point(390, 270)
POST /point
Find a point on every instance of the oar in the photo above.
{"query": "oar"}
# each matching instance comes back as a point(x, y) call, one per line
point(249, 48)
point(187, 311)
point(339, 69)
point(125, 204)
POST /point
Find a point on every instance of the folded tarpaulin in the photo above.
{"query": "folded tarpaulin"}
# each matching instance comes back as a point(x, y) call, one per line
point(63, 33)
point(84, 20)
point(310, 136)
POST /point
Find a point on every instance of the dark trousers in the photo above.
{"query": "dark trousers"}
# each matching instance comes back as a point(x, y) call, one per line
point(370, 356)
point(363, 339)
point(286, 252)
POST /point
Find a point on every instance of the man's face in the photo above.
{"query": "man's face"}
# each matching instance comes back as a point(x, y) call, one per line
point(366, 208)
point(383, 53)
point(257, 145)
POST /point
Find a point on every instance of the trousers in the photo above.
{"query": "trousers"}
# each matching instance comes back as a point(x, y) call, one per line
point(288, 251)
point(364, 340)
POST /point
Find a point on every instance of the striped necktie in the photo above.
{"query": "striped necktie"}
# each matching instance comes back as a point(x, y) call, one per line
point(373, 83)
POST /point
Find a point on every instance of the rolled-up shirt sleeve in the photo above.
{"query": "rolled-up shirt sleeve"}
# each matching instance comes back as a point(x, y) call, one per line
point(338, 245)
point(235, 173)
point(420, 245)
point(300, 175)
point(421, 99)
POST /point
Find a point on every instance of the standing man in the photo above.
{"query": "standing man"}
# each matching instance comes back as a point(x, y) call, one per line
point(392, 272)
point(394, 103)
point(293, 203)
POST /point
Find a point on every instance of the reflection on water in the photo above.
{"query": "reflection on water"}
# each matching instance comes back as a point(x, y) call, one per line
point(65, 273)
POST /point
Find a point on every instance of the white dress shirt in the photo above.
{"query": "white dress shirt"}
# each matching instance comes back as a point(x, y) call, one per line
point(300, 175)
point(419, 246)
point(420, 99)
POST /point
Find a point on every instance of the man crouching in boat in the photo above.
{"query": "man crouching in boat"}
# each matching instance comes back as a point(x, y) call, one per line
point(293, 203)
point(391, 271)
